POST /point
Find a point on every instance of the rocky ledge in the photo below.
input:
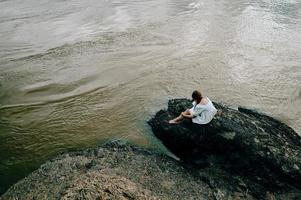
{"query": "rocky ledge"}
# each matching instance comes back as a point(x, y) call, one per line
point(262, 153)
point(113, 171)
point(240, 155)
point(122, 171)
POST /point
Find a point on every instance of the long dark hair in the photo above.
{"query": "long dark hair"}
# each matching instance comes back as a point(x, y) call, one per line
point(197, 96)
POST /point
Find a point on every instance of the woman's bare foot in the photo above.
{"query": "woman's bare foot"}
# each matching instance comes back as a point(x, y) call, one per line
point(173, 121)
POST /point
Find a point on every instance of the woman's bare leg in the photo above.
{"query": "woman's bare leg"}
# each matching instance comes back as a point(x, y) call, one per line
point(178, 119)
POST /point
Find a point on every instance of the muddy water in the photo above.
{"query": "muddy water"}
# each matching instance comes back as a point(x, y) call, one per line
point(75, 74)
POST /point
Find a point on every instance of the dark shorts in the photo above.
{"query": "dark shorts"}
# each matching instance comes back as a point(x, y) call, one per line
point(198, 128)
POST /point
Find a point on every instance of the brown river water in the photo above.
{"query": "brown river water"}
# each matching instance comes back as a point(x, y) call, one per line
point(75, 74)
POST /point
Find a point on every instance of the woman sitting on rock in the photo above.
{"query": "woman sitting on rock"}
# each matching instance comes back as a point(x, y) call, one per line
point(202, 111)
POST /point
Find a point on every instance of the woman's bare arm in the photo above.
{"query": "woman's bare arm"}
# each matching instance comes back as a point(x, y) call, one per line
point(187, 115)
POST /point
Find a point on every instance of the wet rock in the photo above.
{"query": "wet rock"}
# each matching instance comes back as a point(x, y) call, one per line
point(242, 142)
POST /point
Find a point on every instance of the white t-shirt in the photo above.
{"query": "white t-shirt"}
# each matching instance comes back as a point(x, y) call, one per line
point(203, 113)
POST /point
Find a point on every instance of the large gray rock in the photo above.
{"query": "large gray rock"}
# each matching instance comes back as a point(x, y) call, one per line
point(114, 171)
point(242, 142)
